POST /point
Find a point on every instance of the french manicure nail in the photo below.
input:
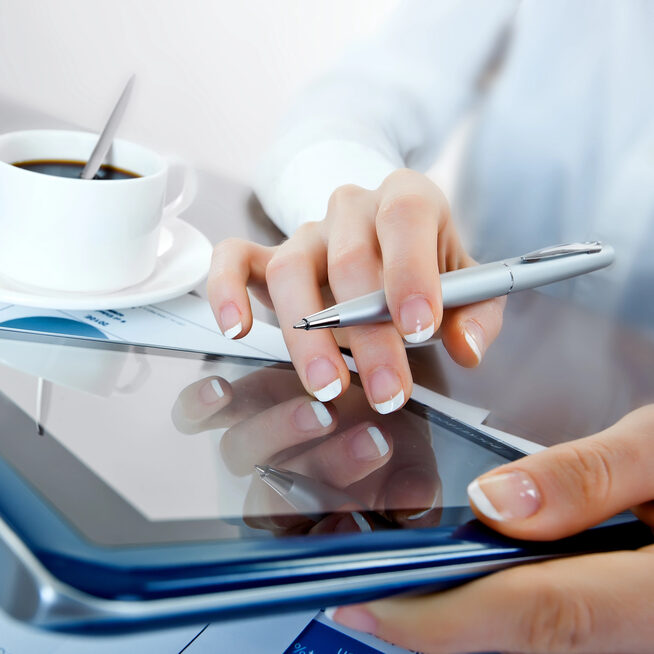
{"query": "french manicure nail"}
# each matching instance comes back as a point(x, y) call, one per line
point(329, 612)
point(474, 338)
point(506, 496)
point(230, 320)
point(368, 444)
point(211, 391)
point(417, 320)
point(386, 390)
point(323, 379)
point(310, 416)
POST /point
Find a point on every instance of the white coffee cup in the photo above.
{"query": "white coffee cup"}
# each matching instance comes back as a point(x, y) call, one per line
point(75, 235)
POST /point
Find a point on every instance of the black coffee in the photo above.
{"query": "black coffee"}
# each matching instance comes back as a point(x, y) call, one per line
point(64, 168)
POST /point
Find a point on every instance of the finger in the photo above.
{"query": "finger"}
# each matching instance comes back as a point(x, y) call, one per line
point(234, 264)
point(354, 268)
point(645, 513)
point(247, 396)
point(572, 486)
point(338, 462)
point(343, 523)
point(259, 438)
point(468, 331)
point(595, 604)
point(412, 489)
point(198, 402)
point(295, 275)
point(407, 226)
point(347, 457)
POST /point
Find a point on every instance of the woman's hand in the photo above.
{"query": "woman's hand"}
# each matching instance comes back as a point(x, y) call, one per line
point(399, 237)
point(597, 603)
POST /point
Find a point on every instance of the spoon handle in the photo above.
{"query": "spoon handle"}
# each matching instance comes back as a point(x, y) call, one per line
point(106, 138)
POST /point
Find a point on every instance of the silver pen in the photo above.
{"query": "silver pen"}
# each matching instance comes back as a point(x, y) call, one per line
point(477, 283)
point(314, 499)
point(307, 496)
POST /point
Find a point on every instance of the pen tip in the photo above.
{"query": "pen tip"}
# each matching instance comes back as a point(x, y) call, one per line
point(301, 324)
point(261, 470)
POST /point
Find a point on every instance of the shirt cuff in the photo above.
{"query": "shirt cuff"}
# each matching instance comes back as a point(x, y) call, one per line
point(300, 191)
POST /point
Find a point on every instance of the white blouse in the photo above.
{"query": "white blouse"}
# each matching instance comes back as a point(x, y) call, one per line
point(562, 143)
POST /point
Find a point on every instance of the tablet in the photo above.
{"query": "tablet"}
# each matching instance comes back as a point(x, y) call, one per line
point(141, 485)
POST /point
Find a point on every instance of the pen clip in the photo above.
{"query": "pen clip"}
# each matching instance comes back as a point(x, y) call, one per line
point(562, 250)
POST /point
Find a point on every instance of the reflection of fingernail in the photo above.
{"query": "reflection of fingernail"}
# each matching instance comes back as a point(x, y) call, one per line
point(417, 320)
point(420, 514)
point(474, 338)
point(323, 379)
point(508, 496)
point(310, 416)
point(368, 444)
point(230, 321)
point(355, 617)
point(386, 390)
point(353, 521)
point(361, 522)
point(436, 502)
point(211, 391)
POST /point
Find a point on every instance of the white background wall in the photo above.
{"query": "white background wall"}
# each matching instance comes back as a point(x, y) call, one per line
point(213, 76)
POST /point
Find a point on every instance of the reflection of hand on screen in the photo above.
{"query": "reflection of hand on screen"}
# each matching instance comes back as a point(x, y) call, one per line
point(385, 463)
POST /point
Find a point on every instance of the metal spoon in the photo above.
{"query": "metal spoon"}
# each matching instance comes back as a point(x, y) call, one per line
point(107, 136)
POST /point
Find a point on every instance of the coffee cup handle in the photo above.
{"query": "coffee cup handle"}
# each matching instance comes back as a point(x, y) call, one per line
point(187, 195)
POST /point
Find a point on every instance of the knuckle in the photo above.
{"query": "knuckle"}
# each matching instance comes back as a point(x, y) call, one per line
point(227, 246)
point(306, 231)
point(558, 619)
point(350, 258)
point(406, 211)
point(587, 468)
point(644, 417)
point(284, 263)
point(403, 176)
point(344, 196)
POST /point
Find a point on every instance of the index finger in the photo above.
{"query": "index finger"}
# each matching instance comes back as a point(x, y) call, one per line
point(295, 275)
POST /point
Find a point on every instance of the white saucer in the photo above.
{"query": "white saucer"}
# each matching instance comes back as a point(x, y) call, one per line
point(182, 263)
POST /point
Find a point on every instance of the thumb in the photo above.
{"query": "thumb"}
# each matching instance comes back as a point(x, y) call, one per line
point(572, 486)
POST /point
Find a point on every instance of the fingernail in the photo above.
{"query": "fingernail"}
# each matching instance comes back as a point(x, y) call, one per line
point(368, 444)
point(230, 321)
point(329, 612)
point(508, 496)
point(386, 390)
point(211, 391)
point(310, 416)
point(323, 379)
point(474, 336)
point(354, 617)
point(417, 320)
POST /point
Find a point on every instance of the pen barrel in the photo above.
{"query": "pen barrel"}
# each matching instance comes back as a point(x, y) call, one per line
point(474, 284)
point(370, 308)
point(546, 271)
point(310, 497)
point(467, 285)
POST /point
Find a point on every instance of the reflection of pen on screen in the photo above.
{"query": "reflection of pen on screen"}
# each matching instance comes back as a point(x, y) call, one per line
point(310, 497)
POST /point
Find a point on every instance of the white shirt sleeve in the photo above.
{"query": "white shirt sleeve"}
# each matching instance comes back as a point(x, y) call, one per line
point(389, 103)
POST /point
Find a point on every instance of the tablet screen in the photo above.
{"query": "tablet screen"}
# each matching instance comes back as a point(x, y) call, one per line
point(135, 446)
